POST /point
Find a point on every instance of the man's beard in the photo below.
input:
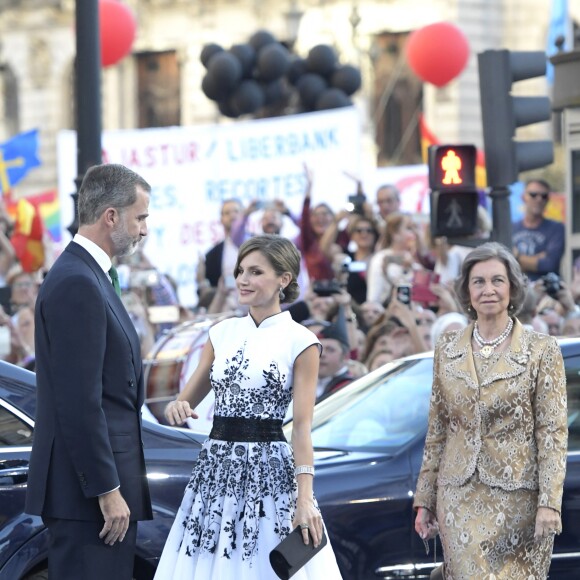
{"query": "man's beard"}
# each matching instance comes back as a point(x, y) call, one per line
point(124, 244)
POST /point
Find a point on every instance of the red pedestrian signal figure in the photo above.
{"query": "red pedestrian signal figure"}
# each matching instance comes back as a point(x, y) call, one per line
point(451, 165)
point(454, 198)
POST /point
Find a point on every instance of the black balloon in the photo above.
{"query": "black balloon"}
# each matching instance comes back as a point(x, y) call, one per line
point(208, 51)
point(274, 92)
point(332, 99)
point(246, 54)
point(346, 78)
point(248, 97)
point(261, 38)
point(212, 89)
point(296, 69)
point(225, 70)
point(226, 109)
point(322, 60)
point(310, 86)
point(273, 62)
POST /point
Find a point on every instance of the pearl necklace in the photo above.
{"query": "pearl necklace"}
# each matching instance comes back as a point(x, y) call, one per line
point(486, 347)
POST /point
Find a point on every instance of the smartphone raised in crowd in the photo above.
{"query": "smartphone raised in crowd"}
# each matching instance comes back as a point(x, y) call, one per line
point(404, 294)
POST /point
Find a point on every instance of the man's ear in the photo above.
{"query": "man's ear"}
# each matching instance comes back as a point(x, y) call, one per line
point(111, 215)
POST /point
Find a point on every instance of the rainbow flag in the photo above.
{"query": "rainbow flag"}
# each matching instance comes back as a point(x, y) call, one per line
point(428, 139)
point(49, 207)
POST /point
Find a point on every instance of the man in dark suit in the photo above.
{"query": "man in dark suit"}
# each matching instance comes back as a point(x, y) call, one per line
point(87, 475)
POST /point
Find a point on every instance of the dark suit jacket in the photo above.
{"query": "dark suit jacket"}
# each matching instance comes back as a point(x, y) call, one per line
point(213, 264)
point(90, 389)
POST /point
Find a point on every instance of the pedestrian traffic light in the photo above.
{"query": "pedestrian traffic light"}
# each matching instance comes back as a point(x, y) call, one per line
point(502, 113)
point(454, 198)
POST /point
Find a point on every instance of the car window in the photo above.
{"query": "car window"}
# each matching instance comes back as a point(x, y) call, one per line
point(385, 414)
point(14, 432)
point(573, 386)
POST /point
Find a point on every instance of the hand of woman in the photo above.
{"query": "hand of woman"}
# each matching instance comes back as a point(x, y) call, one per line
point(548, 522)
point(177, 412)
point(308, 518)
point(401, 311)
point(426, 524)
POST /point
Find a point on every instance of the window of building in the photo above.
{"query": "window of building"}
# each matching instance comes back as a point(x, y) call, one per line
point(397, 102)
point(158, 89)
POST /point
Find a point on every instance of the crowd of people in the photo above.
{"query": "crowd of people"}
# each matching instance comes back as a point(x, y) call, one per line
point(376, 265)
point(375, 286)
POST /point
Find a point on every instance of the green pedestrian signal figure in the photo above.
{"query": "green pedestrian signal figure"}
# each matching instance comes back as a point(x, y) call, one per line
point(451, 164)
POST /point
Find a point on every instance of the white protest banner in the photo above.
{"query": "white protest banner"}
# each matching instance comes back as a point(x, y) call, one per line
point(193, 169)
point(412, 181)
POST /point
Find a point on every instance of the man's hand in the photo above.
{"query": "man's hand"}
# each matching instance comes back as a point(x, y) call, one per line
point(116, 513)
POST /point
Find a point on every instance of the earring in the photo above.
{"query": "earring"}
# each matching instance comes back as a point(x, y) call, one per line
point(511, 307)
point(281, 294)
point(469, 309)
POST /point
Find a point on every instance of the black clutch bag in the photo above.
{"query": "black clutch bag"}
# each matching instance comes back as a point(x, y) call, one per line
point(292, 553)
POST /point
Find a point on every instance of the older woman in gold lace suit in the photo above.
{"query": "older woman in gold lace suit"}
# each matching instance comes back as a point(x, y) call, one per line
point(495, 454)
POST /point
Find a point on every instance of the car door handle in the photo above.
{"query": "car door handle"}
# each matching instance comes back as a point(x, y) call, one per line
point(13, 472)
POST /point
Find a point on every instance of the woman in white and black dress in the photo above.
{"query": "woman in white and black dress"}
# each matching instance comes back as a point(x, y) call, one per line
point(249, 489)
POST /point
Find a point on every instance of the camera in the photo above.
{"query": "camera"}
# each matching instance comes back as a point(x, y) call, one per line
point(357, 203)
point(349, 265)
point(140, 278)
point(551, 284)
point(326, 287)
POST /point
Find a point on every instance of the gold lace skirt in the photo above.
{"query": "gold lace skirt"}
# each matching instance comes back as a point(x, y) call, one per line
point(487, 533)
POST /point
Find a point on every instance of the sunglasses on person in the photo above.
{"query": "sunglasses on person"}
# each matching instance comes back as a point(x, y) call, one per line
point(364, 231)
point(542, 194)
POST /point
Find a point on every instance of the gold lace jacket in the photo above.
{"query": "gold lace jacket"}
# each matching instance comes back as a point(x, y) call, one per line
point(512, 426)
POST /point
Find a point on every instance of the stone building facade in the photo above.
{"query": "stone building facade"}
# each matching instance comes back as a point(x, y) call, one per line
point(159, 83)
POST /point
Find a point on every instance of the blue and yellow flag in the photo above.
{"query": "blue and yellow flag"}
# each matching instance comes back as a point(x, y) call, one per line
point(17, 157)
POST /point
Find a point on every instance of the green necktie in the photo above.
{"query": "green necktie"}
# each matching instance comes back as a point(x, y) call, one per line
point(115, 280)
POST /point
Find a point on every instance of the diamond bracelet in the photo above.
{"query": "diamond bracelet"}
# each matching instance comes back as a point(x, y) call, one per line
point(304, 469)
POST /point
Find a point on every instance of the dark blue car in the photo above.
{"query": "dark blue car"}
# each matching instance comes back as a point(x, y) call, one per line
point(368, 438)
point(169, 453)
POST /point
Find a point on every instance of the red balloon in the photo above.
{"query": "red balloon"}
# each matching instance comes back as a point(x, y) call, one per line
point(437, 53)
point(117, 27)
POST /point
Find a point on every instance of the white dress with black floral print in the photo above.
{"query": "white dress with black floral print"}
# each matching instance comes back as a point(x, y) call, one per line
point(240, 500)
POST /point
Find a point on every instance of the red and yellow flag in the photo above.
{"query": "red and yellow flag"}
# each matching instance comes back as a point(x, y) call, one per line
point(28, 232)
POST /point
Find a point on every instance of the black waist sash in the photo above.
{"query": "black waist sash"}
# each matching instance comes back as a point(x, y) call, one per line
point(246, 430)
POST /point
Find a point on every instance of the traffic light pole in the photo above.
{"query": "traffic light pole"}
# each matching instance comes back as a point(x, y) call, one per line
point(502, 216)
point(87, 94)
